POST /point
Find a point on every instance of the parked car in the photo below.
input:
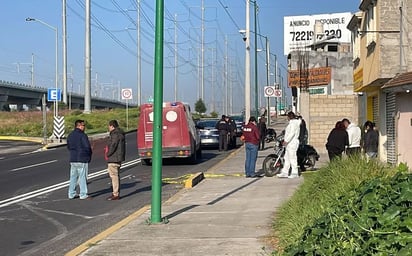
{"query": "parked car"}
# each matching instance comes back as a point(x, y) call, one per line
point(209, 135)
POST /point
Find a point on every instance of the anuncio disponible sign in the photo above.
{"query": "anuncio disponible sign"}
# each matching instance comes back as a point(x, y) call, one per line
point(299, 31)
point(315, 76)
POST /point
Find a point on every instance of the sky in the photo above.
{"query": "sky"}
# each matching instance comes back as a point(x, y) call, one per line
point(27, 46)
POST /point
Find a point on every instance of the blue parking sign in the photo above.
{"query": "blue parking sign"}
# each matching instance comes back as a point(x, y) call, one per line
point(54, 94)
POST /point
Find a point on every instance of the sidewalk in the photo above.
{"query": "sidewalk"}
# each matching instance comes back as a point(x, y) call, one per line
point(225, 214)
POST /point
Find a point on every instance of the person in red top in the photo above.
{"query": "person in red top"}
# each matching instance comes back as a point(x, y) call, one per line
point(251, 137)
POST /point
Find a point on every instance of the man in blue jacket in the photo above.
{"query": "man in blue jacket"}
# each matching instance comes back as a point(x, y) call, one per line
point(80, 156)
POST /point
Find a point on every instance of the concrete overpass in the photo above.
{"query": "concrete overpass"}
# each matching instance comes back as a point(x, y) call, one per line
point(22, 94)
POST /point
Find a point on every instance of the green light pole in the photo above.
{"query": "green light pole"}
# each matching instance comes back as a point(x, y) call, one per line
point(156, 210)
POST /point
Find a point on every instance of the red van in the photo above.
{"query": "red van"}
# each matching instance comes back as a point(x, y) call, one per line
point(180, 138)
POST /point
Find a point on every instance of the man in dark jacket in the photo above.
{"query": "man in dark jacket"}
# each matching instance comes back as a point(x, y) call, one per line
point(262, 131)
point(80, 156)
point(223, 127)
point(232, 133)
point(115, 155)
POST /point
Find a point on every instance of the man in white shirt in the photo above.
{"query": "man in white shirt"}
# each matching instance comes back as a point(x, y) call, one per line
point(291, 142)
point(354, 134)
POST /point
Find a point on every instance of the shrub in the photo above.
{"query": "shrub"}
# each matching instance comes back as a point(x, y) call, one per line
point(320, 192)
point(374, 219)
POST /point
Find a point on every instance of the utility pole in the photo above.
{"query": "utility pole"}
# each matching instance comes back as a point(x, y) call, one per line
point(247, 63)
point(139, 58)
point(267, 76)
point(64, 32)
point(213, 79)
point(71, 87)
point(176, 59)
point(87, 60)
point(202, 53)
point(230, 84)
point(225, 79)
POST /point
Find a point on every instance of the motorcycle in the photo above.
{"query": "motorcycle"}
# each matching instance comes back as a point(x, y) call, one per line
point(270, 135)
point(273, 163)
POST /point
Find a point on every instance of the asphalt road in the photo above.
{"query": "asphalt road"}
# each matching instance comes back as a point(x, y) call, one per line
point(37, 218)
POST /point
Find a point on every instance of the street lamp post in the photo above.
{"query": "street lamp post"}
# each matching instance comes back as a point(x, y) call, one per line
point(246, 38)
point(256, 66)
point(56, 111)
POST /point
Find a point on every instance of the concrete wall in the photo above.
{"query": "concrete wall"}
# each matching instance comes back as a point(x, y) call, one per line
point(404, 131)
point(324, 112)
point(341, 64)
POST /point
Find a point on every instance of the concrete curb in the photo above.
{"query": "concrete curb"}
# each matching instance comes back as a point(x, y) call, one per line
point(194, 180)
point(232, 154)
point(189, 183)
point(99, 237)
point(18, 138)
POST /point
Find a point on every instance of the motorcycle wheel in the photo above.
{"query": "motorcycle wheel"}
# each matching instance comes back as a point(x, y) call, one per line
point(310, 162)
point(270, 166)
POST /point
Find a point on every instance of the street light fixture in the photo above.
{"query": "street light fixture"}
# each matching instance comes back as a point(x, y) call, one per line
point(29, 19)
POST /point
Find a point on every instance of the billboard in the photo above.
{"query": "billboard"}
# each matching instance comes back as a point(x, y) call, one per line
point(299, 31)
point(315, 76)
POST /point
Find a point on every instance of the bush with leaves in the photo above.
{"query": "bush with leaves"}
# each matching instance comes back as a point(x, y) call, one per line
point(319, 192)
point(374, 219)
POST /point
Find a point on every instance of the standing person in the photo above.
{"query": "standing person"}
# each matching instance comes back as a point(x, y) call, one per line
point(371, 140)
point(354, 133)
point(223, 127)
point(303, 140)
point(303, 132)
point(291, 142)
point(232, 133)
point(115, 155)
point(337, 141)
point(262, 131)
point(80, 155)
point(251, 137)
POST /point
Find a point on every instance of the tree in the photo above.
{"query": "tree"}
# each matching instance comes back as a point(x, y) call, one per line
point(214, 114)
point(200, 106)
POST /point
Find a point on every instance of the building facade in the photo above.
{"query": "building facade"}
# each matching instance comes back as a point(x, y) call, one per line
point(320, 73)
point(382, 63)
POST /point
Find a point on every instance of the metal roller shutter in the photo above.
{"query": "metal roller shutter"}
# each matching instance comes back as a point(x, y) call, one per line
point(390, 128)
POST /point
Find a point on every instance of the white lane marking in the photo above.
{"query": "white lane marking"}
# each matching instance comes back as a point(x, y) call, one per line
point(73, 214)
point(33, 165)
point(126, 177)
point(42, 191)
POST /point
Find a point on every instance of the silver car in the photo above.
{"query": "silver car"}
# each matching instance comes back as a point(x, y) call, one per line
point(209, 135)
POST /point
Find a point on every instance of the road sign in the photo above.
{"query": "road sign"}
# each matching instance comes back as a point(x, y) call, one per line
point(54, 94)
point(58, 127)
point(269, 91)
point(278, 93)
point(127, 94)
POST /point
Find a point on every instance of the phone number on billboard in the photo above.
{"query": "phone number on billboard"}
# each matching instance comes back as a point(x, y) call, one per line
point(308, 35)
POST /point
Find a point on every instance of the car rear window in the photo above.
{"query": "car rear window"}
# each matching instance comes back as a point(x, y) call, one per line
point(207, 123)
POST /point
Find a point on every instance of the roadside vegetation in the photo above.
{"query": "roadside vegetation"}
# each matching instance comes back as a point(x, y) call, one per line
point(350, 207)
point(30, 123)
